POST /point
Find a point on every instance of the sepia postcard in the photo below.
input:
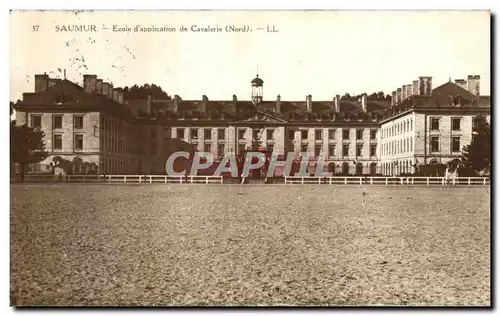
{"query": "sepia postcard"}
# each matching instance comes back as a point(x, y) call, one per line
point(250, 158)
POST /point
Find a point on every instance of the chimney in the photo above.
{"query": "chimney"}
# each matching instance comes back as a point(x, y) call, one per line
point(110, 91)
point(177, 100)
point(337, 103)
point(364, 101)
point(90, 83)
point(398, 96)
point(149, 104)
point(120, 96)
point(309, 103)
point(409, 90)
point(278, 104)
point(203, 104)
point(403, 93)
point(99, 86)
point(425, 86)
point(393, 98)
point(473, 84)
point(116, 92)
point(235, 98)
point(105, 89)
point(416, 88)
point(462, 83)
point(41, 83)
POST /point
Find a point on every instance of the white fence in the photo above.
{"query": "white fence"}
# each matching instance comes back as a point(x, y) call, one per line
point(389, 180)
point(287, 180)
point(123, 179)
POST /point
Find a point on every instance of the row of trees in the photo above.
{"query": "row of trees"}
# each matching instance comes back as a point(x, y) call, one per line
point(136, 92)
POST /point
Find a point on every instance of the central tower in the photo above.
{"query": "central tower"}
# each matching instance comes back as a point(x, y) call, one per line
point(257, 90)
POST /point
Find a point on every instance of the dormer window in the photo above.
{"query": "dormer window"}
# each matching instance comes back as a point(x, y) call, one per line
point(59, 99)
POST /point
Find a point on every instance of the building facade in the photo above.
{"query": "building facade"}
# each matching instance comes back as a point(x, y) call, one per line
point(374, 134)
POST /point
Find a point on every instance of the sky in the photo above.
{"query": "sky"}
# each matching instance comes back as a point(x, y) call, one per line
point(321, 53)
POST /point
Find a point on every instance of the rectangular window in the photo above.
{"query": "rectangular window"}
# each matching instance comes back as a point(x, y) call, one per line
point(434, 144)
point(434, 124)
point(270, 134)
point(180, 133)
point(303, 148)
point(291, 134)
point(304, 134)
point(345, 134)
point(345, 150)
point(255, 134)
point(373, 150)
point(331, 134)
point(373, 134)
point(241, 134)
point(221, 133)
point(207, 134)
point(220, 150)
point(194, 133)
point(207, 148)
point(167, 133)
point(455, 124)
point(78, 123)
point(57, 141)
point(455, 144)
point(78, 142)
point(36, 121)
point(359, 134)
point(57, 121)
point(331, 150)
point(359, 150)
point(318, 134)
point(317, 150)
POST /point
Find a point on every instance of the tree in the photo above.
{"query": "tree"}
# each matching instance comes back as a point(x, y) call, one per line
point(477, 155)
point(136, 92)
point(26, 146)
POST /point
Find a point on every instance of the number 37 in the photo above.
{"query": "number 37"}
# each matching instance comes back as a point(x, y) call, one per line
point(35, 28)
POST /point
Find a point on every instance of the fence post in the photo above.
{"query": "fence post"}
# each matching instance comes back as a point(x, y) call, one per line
point(345, 180)
point(371, 181)
point(386, 181)
point(443, 181)
point(484, 181)
point(319, 180)
point(150, 179)
point(427, 181)
point(206, 180)
point(468, 181)
point(330, 180)
point(124, 179)
point(302, 179)
point(402, 181)
point(221, 180)
point(453, 181)
point(165, 179)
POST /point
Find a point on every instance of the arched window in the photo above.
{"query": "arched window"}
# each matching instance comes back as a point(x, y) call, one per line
point(359, 168)
point(345, 168)
point(331, 168)
point(78, 167)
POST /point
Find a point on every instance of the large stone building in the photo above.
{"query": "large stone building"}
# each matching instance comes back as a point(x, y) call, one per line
point(356, 135)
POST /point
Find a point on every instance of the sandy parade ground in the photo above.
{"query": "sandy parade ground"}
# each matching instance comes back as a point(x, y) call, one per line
point(164, 244)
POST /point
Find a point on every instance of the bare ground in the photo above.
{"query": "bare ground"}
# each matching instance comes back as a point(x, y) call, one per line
point(249, 245)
